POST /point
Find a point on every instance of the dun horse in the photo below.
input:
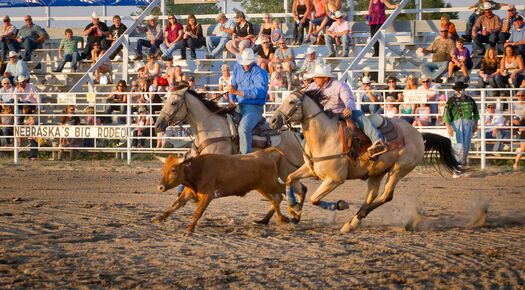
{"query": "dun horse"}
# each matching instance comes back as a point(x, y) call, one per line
point(212, 133)
point(326, 160)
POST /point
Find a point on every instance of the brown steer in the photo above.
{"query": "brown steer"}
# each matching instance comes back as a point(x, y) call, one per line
point(215, 175)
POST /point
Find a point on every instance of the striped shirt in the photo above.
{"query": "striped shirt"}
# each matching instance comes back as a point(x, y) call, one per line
point(69, 46)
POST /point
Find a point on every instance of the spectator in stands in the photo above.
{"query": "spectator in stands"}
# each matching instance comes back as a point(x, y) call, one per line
point(449, 26)
point(332, 6)
point(173, 33)
point(507, 25)
point(485, 30)
point(70, 119)
point(265, 30)
point(368, 97)
point(193, 37)
point(266, 53)
point(164, 80)
point(6, 92)
point(140, 67)
point(243, 35)
point(154, 37)
point(285, 57)
point(222, 33)
point(376, 17)
point(178, 76)
point(310, 62)
point(517, 36)
point(115, 102)
point(518, 110)
point(16, 68)
point(440, 48)
point(191, 83)
point(142, 129)
point(510, 69)
point(7, 121)
point(460, 60)
point(26, 92)
point(29, 37)
point(279, 81)
point(277, 33)
point(319, 13)
point(393, 90)
point(442, 103)
point(144, 89)
point(494, 123)
point(301, 12)
point(461, 118)
point(91, 120)
point(422, 117)
point(115, 31)
point(478, 10)
point(104, 68)
point(224, 81)
point(249, 88)
point(391, 110)
point(432, 92)
point(339, 33)
point(96, 31)
point(7, 38)
point(411, 82)
point(68, 51)
point(30, 120)
point(406, 110)
point(489, 69)
point(152, 68)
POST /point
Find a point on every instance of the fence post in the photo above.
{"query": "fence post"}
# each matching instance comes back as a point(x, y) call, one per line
point(128, 122)
point(15, 131)
point(482, 131)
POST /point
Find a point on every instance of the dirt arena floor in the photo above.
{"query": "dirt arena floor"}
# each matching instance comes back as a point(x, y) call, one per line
point(87, 224)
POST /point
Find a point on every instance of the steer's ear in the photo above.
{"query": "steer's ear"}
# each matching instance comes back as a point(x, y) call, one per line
point(161, 159)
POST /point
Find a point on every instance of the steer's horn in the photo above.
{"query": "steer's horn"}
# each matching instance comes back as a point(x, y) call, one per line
point(161, 159)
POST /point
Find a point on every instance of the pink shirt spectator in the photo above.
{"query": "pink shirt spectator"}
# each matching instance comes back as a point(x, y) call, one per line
point(344, 26)
point(29, 94)
point(320, 8)
point(173, 33)
point(376, 12)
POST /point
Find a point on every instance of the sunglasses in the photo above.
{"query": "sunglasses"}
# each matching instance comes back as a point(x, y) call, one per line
point(520, 95)
point(171, 18)
point(279, 67)
point(5, 83)
point(424, 82)
point(391, 82)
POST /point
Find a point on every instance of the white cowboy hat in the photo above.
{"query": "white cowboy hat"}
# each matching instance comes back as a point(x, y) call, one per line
point(13, 54)
point(149, 17)
point(365, 80)
point(339, 14)
point(321, 71)
point(311, 50)
point(140, 65)
point(487, 6)
point(21, 78)
point(425, 77)
point(94, 15)
point(246, 57)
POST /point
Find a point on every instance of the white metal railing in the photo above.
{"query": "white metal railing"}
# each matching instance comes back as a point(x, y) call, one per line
point(118, 136)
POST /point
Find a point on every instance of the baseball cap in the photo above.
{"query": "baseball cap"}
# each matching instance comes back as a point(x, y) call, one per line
point(240, 14)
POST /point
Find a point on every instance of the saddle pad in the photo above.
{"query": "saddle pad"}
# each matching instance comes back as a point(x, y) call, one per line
point(262, 141)
point(388, 130)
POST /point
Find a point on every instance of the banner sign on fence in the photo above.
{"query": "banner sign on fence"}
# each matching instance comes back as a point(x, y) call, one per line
point(414, 97)
point(67, 99)
point(106, 132)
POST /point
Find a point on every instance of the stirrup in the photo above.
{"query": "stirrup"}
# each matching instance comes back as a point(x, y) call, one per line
point(376, 149)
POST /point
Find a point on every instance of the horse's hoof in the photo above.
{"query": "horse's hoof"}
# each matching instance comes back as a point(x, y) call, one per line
point(283, 220)
point(295, 220)
point(158, 220)
point(351, 225)
point(261, 222)
point(295, 210)
point(187, 233)
point(342, 205)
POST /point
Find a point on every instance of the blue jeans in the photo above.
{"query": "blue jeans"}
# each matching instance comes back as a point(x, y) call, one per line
point(28, 45)
point(463, 134)
point(215, 45)
point(434, 69)
point(366, 125)
point(147, 43)
point(70, 57)
point(298, 30)
point(345, 43)
point(250, 116)
point(6, 46)
point(500, 134)
point(480, 39)
point(503, 81)
point(168, 51)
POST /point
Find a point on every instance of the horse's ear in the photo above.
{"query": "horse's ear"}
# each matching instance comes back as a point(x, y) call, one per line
point(161, 159)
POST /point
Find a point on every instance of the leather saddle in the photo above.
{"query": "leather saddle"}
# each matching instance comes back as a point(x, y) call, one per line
point(262, 133)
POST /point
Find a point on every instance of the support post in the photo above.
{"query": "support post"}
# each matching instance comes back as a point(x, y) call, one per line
point(163, 12)
point(482, 131)
point(381, 63)
point(286, 10)
point(125, 57)
point(419, 6)
point(225, 6)
point(351, 11)
point(48, 16)
point(128, 122)
point(16, 145)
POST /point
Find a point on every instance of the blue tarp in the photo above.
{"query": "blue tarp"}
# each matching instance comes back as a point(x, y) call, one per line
point(39, 3)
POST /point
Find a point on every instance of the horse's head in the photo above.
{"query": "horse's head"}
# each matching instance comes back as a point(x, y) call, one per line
point(173, 111)
point(290, 110)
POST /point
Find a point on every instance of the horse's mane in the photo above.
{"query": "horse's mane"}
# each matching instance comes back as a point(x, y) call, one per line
point(317, 96)
point(209, 104)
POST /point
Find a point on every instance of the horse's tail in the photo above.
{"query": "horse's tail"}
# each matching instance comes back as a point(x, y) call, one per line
point(440, 148)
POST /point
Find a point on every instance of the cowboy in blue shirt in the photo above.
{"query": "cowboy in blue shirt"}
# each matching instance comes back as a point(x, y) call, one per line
point(249, 88)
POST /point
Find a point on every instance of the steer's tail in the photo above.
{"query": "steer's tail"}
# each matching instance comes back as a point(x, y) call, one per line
point(440, 148)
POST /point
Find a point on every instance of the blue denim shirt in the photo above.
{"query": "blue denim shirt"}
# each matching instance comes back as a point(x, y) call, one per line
point(253, 83)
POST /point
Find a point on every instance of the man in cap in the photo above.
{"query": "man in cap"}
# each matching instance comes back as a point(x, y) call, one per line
point(367, 95)
point(440, 48)
point(26, 92)
point(507, 24)
point(249, 88)
point(7, 38)
point(15, 68)
point(339, 99)
point(216, 42)
point(154, 37)
point(95, 32)
point(310, 62)
point(494, 123)
point(485, 30)
point(432, 92)
point(243, 35)
point(30, 36)
point(339, 33)
point(517, 36)
point(461, 118)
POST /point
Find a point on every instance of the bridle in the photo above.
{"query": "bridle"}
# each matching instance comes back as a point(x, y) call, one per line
point(170, 118)
point(286, 117)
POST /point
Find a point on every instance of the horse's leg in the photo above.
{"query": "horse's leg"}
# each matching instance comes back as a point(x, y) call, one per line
point(293, 206)
point(374, 183)
point(326, 187)
point(395, 175)
point(179, 202)
point(204, 201)
point(297, 187)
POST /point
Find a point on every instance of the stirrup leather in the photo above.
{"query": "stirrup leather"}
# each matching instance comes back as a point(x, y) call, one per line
point(377, 149)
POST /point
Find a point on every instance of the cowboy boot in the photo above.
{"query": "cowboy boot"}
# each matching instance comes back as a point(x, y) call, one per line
point(379, 147)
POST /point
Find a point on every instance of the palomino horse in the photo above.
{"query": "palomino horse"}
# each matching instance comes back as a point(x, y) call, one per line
point(326, 160)
point(212, 132)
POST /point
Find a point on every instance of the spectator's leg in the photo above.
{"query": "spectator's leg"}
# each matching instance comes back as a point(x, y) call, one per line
point(451, 66)
point(183, 45)
point(169, 50)
point(502, 38)
point(470, 24)
point(230, 47)
point(243, 44)
point(478, 47)
point(302, 28)
point(492, 82)
point(517, 79)
point(4, 49)
point(373, 30)
point(521, 50)
point(28, 44)
point(163, 47)
point(67, 58)
point(428, 68)
point(155, 47)
point(219, 47)
point(105, 44)
point(295, 32)
point(329, 42)
point(117, 51)
point(74, 60)
point(346, 42)
point(211, 42)
point(86, 54)
point(501, 81)
point(140, 43)
point(493, 39)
